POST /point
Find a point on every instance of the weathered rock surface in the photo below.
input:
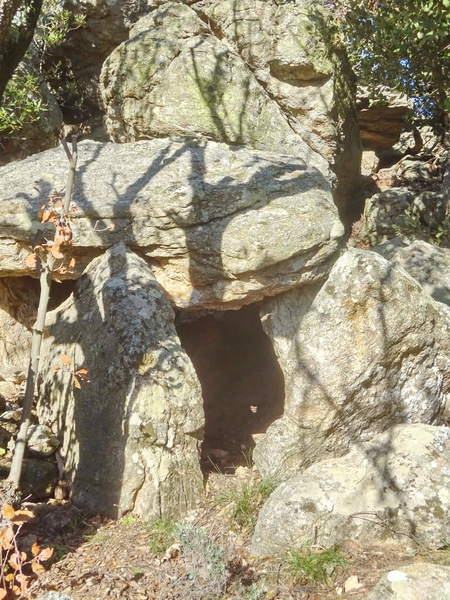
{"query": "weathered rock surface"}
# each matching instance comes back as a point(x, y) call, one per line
point(400, 211)
point(381, 119)
point(366, 350)
point(220, 226)
point(253, 73)
point(385, 214)
point(418, 581)
point(41, 443)
point(18, 306)
point(392, 490)
point(428, 264)
point(131, 434)
point(38, 478)
point(219, 99)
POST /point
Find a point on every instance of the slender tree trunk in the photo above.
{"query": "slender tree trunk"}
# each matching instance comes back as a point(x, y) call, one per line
point(45, 270)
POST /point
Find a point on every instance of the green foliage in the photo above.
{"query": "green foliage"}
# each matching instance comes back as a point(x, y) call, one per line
point(412, 227)
point(128, 520)
point(404, 45)
point(246, 501)
point(306, 566)
point(162, 534)
point(22, 103)
point(55, 23)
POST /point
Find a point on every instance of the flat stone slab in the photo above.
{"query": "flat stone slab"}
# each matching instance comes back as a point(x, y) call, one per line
point(218, 225)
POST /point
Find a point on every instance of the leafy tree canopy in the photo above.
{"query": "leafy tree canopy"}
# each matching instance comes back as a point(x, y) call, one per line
point(402, 44)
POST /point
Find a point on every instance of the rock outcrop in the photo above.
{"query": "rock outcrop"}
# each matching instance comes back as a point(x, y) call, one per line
point(19, 299)
point(424, 581)
point(428, 264)
point(392, 491)
point(131, 434)
point(220, 226)
point(247, 73)
point(401, 212)
point(366, 350)
point(382, 118)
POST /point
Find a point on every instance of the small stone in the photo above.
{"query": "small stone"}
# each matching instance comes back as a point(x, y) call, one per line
point(41, 441)
point(351, 583)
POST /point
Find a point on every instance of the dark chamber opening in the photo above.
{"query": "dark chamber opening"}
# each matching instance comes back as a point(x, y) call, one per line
point(242, 383)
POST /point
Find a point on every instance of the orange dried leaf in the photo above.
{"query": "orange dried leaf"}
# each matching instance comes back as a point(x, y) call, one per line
point(44, 215)
point(35, 549)
point(30, 261)
point(8, 511)
point(45, 554)
point(22, 516)
point(16, 560)
point(6, 537)
point(76, 383)
point(59, 239)
point(81, 372)
point(65, 359)
point(56, 368)
point(37, 568)
point(72, 263)
point(55, 251)
point(3, 593)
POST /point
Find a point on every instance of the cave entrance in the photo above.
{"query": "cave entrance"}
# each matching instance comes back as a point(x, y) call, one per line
point(242, 383)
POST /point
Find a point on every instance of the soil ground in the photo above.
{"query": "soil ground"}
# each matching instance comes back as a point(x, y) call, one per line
point(207, 558)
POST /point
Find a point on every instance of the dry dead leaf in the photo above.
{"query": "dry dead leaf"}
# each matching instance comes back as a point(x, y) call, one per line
point(72, 263)
point(65, 359)
point(55, 251)
point(35, 549)
point(45, 554)
point(37, 568)
point(16, 559)
point(8, 511)
point(76, 383)
point(21, 516)
point(6, 537)
point(30, 261)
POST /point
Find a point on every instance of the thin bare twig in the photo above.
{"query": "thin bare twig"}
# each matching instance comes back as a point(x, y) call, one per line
point(45, 269)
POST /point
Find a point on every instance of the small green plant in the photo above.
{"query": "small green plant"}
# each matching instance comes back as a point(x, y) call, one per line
point(247, 501)
point(255, 591)
point(442, 235)
point(62, 21)
point(162, 534)
point(96, 538)
point(75, 523)
point(59, 552)
point(128, 520)
point(54, 24)
point(204, 560)
point(22, 103)
point(308, 566)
